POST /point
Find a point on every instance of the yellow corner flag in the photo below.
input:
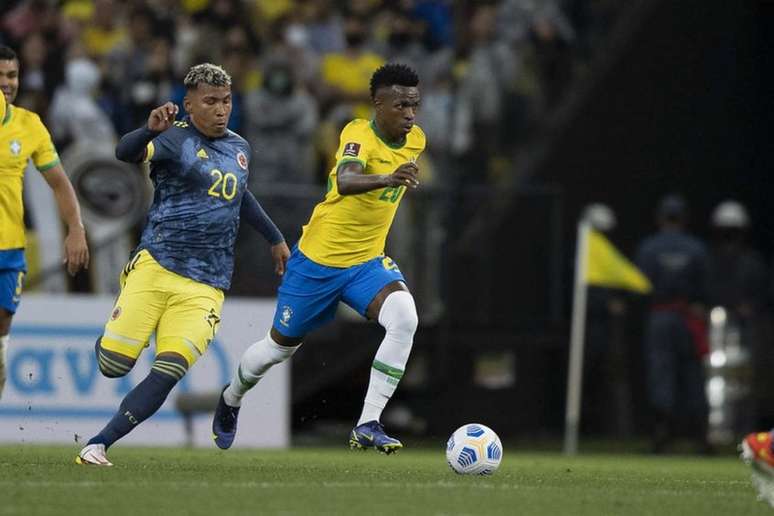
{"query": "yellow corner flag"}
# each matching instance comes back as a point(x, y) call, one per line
point(607, 267)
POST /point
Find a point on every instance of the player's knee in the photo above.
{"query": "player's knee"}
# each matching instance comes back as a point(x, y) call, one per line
point(112, 364)
point(170, 364)
point(399, 314)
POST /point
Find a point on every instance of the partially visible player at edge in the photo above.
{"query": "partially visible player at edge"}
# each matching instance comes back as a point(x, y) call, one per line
point(174, 283)
point(23, 137)
point(757, 450)
point(340, 257)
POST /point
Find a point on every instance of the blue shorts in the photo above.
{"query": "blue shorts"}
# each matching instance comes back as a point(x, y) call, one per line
point(310, 292)
point(11, 281)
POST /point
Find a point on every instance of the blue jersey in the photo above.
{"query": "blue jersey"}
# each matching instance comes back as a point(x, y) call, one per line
point(199, 184)
point(676, 264)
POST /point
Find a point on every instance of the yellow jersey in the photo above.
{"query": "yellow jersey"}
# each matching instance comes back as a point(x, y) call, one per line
point(345, 230)
point(22, 136)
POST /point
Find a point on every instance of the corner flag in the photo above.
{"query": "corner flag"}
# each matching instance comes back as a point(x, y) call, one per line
point(607, 267)
point(597, 263)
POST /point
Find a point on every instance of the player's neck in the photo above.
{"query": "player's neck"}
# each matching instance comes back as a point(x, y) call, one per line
point(381, 133)
point(202, 131)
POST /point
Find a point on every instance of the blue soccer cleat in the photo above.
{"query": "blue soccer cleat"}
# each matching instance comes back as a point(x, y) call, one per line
point(371, 435)
point(224, 423)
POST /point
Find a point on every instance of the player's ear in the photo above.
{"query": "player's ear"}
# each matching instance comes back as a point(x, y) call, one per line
point(187, 103)
point(377, 100)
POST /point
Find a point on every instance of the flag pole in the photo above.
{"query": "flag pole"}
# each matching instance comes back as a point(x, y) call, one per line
point(577, 333)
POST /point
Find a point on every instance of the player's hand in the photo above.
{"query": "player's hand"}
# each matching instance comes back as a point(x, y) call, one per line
point(76, 250)
point(161, 118)
point(280, 254)
point(405, 175)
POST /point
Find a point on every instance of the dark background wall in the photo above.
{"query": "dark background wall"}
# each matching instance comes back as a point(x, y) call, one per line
point(686, 108)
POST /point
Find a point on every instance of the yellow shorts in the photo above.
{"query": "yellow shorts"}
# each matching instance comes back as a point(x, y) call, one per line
point(184, 313)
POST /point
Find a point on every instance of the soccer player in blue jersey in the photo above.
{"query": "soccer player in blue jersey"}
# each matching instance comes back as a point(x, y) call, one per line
point(174, 282)
point(340, 257)
point(24, 138)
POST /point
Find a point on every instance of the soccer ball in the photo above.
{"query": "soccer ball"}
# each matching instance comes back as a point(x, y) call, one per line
point(474, 449)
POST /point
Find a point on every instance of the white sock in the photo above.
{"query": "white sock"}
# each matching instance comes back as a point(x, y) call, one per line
point(399, 318)
point(256, 360)
point(3, 356)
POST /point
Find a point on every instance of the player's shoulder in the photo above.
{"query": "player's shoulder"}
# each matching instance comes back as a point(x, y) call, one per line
point(179, 132)
point(357, 125)
point(417, 136)
point(26, 117)
point(178, 129)
point(358, 130)
point(235, 138)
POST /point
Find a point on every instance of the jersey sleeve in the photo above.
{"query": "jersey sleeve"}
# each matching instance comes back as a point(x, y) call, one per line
point(163, 147)
point(353, 145)
point(44, 156)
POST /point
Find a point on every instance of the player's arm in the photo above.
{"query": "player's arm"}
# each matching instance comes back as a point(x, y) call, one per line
point(253, 213)
point(132, 147)
point(76, 249)
point(351, 178)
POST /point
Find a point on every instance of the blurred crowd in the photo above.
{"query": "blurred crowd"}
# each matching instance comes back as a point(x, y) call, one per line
point(489, 69)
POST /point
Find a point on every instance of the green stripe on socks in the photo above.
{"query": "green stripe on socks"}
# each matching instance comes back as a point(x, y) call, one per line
point(388, 370)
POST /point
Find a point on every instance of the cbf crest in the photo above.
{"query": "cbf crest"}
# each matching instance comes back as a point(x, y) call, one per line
point(15, 147)
point(287, 313)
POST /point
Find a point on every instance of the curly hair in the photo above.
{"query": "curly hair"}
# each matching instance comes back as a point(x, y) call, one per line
point(393, 74)
point(206, 73)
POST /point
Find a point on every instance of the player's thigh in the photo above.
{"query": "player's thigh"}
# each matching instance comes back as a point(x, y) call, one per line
point(370, 278)
point(138, 308)
point(11, 282)
point(191, 319)
point(308, 295)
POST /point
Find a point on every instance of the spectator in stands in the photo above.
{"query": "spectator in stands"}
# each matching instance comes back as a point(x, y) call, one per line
point(281, 119)
point(34, 52)
point(517, 18)
point(404, 40)
point(75, 116)
point(345, 75)
point(487, 66)
point(104, 33)
point(738, 277)
point(738, 282)
point(138, 71)
point(28, 17)
point(318, 27)
point(675, 262)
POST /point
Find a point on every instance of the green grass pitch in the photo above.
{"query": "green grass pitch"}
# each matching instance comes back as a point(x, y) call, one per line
point(36, 480)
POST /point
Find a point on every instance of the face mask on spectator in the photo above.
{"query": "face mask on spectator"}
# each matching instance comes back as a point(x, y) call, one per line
point(399, 39)
point(278, 82)
point(354, 39)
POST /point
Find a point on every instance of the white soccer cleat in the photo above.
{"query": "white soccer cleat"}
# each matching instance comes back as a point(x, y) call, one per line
point(93, 455)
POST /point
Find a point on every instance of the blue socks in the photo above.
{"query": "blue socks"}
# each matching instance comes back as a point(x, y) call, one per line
point(142, 402)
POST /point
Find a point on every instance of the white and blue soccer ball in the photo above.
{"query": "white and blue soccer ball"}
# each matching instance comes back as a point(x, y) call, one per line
point(474, 449)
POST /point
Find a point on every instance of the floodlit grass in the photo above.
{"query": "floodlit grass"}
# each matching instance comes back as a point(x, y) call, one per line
point(37, 480)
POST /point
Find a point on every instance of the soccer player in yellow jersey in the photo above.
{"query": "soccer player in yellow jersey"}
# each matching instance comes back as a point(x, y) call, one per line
point(23, 137)
point(340, 257)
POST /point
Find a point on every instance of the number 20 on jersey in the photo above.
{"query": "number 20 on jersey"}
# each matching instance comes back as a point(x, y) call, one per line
point(224, 185)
